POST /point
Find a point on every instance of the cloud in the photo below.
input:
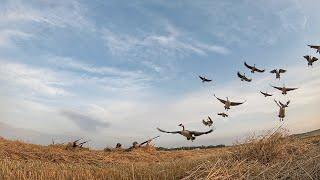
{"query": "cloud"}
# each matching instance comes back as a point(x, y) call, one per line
point(53, 13)
point(8, 36)
point(173, 43)
point(37, 80)
point(84, 121)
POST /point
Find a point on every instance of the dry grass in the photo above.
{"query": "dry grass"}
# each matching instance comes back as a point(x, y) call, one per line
point(274, 156)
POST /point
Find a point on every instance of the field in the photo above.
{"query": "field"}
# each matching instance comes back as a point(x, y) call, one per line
point(272, 156)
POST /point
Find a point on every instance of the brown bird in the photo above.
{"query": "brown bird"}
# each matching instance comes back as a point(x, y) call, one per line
point(315, 47)
point(190, 135)
point(209, 122)
point(204, 79)
point(228, 104)
point(278, 72)
point(223, 114)
point(266, 94)
point(310, 59)
point(282, 110)
point(243, 77)
point(283, 89)
point(253, 68)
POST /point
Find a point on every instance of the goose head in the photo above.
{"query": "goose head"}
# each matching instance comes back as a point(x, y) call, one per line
point(181, 125)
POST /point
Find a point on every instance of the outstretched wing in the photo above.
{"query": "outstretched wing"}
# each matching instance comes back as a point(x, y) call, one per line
point(221, 100)
point(273, 71)
point(291, 89)
point(236, 103)
point(282, 70)
point(210, 119)
point(314, 59)
point(307, 57)
point(279, 88)
point(288, 102)
point(248, 66)
point(240, 75)
point(202, 78)
point(204, 122)
point(266, 94)
point(314, 47)
point(260, 70)
point(172, 132)
point(247, 79)
point(196, 133)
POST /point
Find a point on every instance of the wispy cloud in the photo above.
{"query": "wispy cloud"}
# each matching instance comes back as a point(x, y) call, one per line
point(173, 43)
point(8, 36)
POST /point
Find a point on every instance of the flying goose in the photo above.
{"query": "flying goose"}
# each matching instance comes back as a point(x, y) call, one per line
point(283, 89)
point(204, 79)
point(209, 122)
point(227, 103)
point(310, 59)
point(190, 135)
point(223, 114)
point(315, 47)
point(243, 77)
point(266, 94)
point(254, 68)
point(278, 72)
point(282, 110)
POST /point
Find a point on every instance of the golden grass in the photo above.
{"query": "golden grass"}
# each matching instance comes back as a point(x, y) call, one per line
point(273, 156)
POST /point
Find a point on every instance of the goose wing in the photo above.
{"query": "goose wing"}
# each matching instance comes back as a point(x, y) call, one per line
point(260, 70)
point(314, 59)
point(196, 133)
point(282, 70)
point(314, 46)
point(240, 75)
point(221, 100)
point(273, 71)
point(236, 103)
point(204, 122)
point(291, 89)
point(279, 88)
point(266, 94)
point(307, 57)
point(248, 66)
point(247, 79)
point(172, 132)
point(202, 78)
point(210, 120)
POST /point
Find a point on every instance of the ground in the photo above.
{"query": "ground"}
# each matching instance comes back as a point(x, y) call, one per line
point(272, 156)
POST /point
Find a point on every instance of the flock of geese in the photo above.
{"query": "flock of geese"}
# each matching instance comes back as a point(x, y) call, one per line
point(191, 135)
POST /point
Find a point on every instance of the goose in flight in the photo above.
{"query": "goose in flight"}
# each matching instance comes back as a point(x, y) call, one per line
point(254, 68)
point(223, 114)
point(204, 79)
point(310, 59)
point(283, 89)
point(190, 135)
point(209, 122)
point(278, 72)
point(282, 110)
point(243, 77)
point(315, 47)
point(227, 103)
point(266, 94)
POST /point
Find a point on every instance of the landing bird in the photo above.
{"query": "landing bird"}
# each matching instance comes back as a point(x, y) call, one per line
point(204, 79)
point(282, 110)
point(223, 114)
point(310, 59)
point(278, 72)
point(190, 135)
point(209, 122)
point(243, 77)
point(254, 68)
point(315, 47)
point(266, 94)
point(228, 104)
point(283, 89)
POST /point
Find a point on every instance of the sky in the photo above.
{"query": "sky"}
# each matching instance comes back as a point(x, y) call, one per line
point(113, 71)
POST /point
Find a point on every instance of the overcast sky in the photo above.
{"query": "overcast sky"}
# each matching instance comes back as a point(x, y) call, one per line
point(112, 71)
